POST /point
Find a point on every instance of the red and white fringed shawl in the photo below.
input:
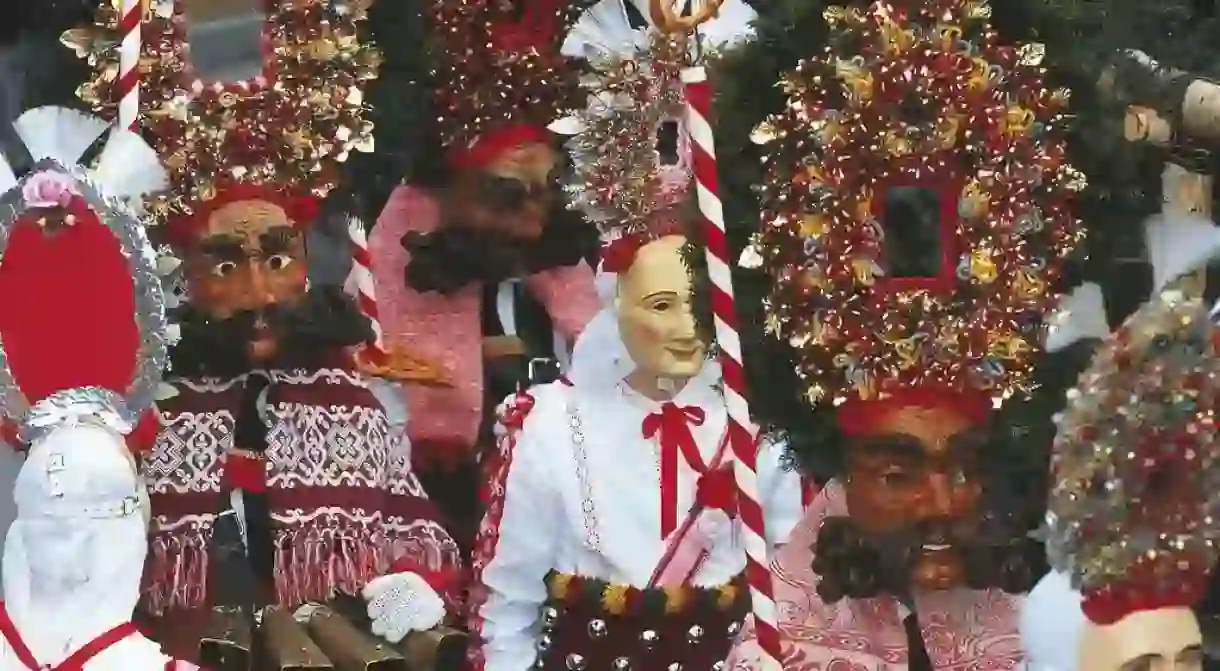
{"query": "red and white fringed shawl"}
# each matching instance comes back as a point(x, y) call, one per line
point(963, 630)
point(343, 499)
point(446, 329)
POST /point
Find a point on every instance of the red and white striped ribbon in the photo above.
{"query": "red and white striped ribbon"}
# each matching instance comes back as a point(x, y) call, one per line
point(127, 88)
point(741, 432)
point(360, 284)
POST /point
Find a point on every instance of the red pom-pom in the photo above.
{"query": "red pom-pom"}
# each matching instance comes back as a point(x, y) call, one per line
point(142, 437)
point(1114, 603)
point(718, 490)
point(515, 412)
point(440, 581)
point(301, 208)
point(69, 313)
point(245, 473)
point(619, 254)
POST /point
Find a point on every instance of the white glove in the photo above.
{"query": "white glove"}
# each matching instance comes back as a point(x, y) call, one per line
point(401, 603)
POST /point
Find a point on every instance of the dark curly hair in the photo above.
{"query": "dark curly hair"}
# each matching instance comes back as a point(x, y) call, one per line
point(311, 334)
point(854, 565)
point(453, 257)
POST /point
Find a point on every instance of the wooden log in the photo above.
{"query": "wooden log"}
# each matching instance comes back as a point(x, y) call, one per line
point(1161, 97)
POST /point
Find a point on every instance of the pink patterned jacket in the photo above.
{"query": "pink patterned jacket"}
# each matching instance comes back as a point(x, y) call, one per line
point(444, 421)
point(964, 630)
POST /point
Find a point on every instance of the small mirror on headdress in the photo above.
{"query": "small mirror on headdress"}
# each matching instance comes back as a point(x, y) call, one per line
point(225, 38)
point(667, 136)
point(911, 221)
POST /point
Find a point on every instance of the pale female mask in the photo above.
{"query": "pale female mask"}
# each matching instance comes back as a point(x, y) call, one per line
point(656, 313)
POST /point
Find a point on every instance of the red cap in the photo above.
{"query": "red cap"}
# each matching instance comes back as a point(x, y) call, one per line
point(618, 255)
point(492, 145)
point(858, 417)
point(69, 317)
point(301, 208)
point(1169, 582)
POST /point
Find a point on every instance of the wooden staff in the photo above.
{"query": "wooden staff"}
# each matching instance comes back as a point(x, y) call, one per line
point(740, 427)
point(1172, 109)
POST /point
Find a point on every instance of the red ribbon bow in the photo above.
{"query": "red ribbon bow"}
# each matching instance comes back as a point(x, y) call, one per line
point(718, 490)
point(671, 426)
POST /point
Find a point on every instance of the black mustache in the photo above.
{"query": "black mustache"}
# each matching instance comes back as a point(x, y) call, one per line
point(457, 255)
point(308, 334)
point(853, 563)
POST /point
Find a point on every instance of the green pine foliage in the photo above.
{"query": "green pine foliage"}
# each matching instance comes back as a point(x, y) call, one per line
point(407, 144)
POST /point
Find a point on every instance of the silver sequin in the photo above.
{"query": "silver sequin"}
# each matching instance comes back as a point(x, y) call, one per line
point(549, 617)
point(576, 662)
point(621, 664)
point(649, 638)
point(597, 629)
point(694, 634)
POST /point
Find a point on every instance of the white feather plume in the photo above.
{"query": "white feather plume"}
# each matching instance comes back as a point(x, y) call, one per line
point(1179, 244)
point(128, 167)
point(58, 133)
point(735, 24)
point(1081, 315)
point(7, 179)
point(604, 31)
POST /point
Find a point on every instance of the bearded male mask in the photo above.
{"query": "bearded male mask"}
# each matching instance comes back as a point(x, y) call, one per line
point(502, 216)
point(918, 520)
point(246, 272)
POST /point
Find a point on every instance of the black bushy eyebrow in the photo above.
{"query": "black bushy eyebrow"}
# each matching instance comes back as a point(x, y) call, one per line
point(896, 445)
point(223, 247)
point(278, 239)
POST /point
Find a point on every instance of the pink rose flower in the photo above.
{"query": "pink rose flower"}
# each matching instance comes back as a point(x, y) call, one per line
point(49, 189)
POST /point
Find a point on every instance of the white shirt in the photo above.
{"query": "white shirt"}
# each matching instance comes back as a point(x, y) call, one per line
point(592, 507)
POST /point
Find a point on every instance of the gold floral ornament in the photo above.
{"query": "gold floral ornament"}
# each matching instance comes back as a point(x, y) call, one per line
point(614, 599)
point(291, 126)
point(950, 118)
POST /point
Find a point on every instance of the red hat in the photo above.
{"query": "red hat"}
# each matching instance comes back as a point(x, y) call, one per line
point(859, 417)
point(621, 245)
point(301, 208)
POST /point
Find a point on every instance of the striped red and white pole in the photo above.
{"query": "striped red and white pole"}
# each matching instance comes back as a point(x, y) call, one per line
point(127, 88)
point(360, 284)
point(742, 438)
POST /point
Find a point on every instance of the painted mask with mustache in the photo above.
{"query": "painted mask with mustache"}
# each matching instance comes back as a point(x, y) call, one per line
point(918, 519)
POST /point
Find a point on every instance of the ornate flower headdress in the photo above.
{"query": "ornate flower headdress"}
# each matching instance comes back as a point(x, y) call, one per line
point(1136, 460)
point(630, 145)
point(499, 77)
point(287, 129)
point(933, 106)
point(83, 332)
